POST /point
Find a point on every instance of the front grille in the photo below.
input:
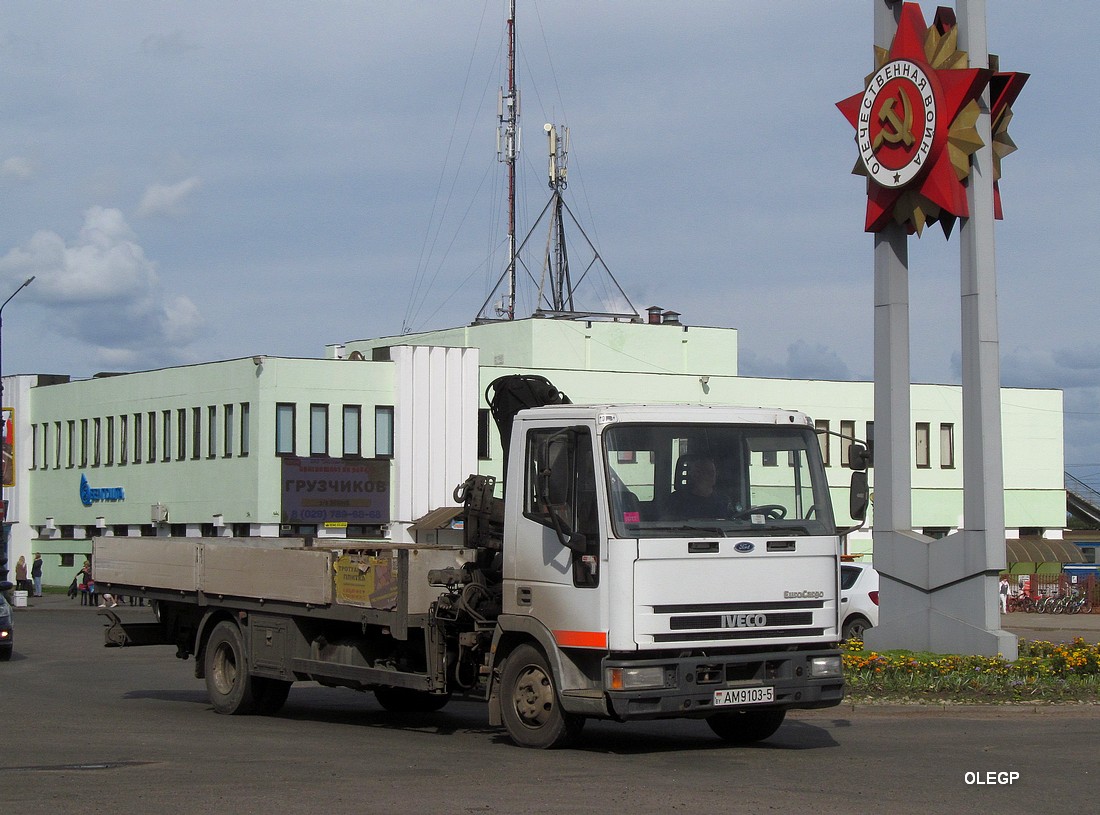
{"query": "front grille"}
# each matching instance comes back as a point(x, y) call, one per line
point(728, 621)
point(703, 608)
point(740, 634)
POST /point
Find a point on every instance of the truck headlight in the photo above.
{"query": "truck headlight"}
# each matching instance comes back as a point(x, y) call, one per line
point(823, 667)
point(636, 678)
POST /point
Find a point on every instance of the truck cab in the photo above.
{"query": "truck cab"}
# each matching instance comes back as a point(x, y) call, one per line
point(665, 561)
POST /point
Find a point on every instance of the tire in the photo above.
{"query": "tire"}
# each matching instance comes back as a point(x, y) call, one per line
point(269, 694)
point(746, 726)
point(227, 681)
point(407, 700)
point(5, 653)
point(854, 628)
point(530, 705)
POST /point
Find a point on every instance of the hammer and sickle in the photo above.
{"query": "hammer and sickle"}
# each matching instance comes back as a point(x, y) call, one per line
point(903, 130)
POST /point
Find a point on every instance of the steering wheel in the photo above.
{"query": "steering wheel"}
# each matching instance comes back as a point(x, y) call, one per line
point(771, 512)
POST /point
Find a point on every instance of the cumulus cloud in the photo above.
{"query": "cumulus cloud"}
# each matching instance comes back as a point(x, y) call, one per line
point(167, 199)
point(105, 292)
point(17, 167)
point(805, 360)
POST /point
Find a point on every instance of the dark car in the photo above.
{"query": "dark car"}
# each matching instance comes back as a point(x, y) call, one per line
point(5, 630)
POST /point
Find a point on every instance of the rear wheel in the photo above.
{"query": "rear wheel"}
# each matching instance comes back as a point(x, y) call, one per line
point(408, 700)
point(530, 706)
point(746, 726)
point(227, 680)
point(855, 628)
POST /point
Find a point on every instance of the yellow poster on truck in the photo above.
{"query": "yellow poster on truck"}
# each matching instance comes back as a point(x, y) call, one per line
point(367, 580)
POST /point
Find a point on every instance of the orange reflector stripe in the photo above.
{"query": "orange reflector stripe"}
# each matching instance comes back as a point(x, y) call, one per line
point(581, 639)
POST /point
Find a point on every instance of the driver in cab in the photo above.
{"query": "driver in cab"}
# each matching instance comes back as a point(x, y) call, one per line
point(697, 497)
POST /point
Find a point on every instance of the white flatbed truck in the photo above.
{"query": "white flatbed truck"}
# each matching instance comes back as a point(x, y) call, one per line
point(587, 591)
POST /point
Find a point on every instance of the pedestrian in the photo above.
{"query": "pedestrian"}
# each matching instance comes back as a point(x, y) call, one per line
point(85, 577)
point(21, 581)
point(36, 574)
point(1004, 595)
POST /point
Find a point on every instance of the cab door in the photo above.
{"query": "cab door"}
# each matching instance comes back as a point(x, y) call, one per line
point(553, 573)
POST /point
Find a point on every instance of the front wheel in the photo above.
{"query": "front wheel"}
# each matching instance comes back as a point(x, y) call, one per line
point(227, 680)
point(746, 726)
point(530, 706)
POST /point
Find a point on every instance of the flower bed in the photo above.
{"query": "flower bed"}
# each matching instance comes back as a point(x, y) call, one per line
point(1044, 672)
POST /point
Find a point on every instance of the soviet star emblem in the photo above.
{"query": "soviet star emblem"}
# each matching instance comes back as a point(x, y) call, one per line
point(915, 125)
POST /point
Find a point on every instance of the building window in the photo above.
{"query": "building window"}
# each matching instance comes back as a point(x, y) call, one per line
point(227, 420)
point(57, 445)
point(211, 431)
point(123, 441)
point(318, 430)
point(83, 442)
point(848, 435)
point(34, 447)
point(72, 442)
point(110, 441)
point(822, 428)
point(45, 445)
point(166, 424)
point(483, 435)
point(353, 431)
point(923, 453)
point(138, 447)
point(152, 416)
point(196, 432)
point(284, 429)
point(947, 446)
point(181, 434)
point(244, 428)
point(383, 431)
point(97, 444)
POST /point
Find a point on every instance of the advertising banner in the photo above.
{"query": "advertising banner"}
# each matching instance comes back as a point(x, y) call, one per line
point(330, 491)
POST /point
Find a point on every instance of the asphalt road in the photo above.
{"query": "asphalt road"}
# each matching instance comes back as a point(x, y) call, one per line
point(90, 729)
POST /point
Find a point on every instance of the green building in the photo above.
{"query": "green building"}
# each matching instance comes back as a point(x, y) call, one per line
point(380, 431)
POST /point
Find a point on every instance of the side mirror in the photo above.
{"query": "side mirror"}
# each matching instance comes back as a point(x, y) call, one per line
point(858, 456)
point(859, 496)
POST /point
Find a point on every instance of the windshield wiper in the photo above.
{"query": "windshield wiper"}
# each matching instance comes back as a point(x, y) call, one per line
point(692, 528)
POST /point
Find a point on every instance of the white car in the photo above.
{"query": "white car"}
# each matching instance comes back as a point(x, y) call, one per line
point(858, 599)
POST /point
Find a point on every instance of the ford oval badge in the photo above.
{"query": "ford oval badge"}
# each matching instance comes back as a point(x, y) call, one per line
point(744, 546)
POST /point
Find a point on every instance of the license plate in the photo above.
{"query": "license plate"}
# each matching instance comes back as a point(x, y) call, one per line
point(744, 696)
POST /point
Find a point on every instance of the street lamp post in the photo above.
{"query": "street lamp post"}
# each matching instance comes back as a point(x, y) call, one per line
point(26, 283)
point(5, 453)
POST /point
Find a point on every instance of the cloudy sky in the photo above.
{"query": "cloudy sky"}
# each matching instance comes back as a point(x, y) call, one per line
point(204, 180)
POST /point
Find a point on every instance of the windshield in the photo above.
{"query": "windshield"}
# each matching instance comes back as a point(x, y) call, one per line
point(711, 479)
